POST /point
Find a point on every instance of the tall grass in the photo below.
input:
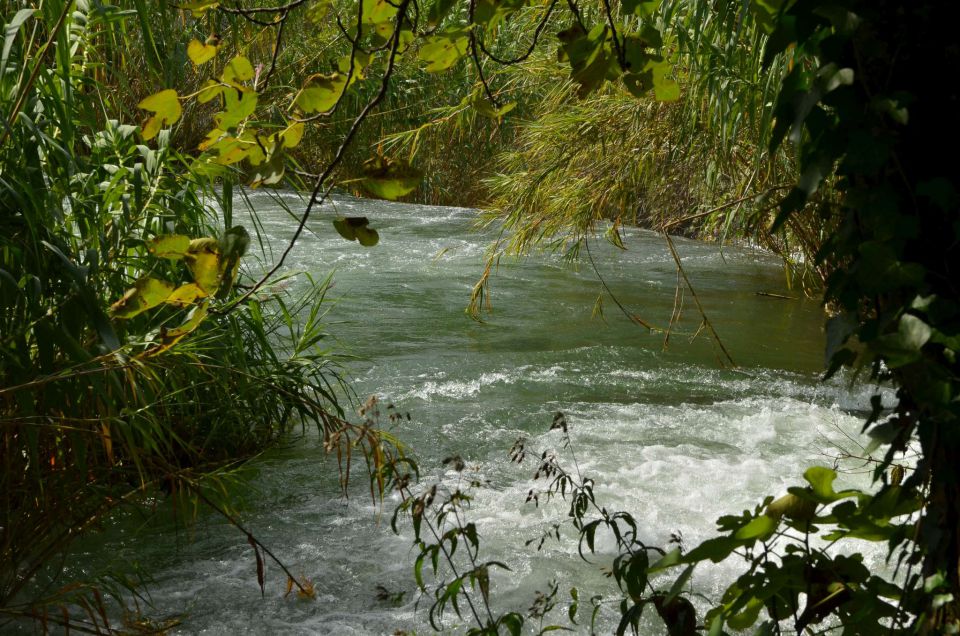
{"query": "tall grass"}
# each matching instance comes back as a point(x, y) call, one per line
point(92, 415)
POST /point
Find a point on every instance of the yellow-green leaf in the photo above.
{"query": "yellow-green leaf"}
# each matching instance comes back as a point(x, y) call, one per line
point(239, 102)
point(203, 260)
point(170, 337)
point(199, 7)
point(237, 70)
point(186, 295)
point(356, 228)
point(209, 91)
point(145, 294)
point(442, 51)
point(292, 135)
point(388, 178)
point(166, 108)
point(172, 246)
point(200, 52)
point(269, 172)
point(320, 93)
point(378, 11)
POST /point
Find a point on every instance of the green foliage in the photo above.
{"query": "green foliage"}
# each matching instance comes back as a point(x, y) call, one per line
point(130, 369)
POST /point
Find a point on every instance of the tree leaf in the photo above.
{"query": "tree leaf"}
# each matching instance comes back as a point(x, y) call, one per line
point(209, 91)
point(185, 295)
point(145, 294)
point(201, 52)
point(761, 527)
point(355, 228)
point(443, 50)
point(643, 8)
point(166, 108)
point(389, 178)
point(203, 261)
point(238, 104)
point(172, 246)
point(320, 93)
point(199, 7)
point(237, 70)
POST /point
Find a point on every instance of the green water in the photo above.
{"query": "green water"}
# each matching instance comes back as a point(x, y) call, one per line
point(668, 435)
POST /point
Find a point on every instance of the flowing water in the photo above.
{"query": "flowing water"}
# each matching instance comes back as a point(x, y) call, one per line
point(668, 435)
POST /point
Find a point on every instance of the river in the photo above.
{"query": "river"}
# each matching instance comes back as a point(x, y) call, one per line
point(668, 435)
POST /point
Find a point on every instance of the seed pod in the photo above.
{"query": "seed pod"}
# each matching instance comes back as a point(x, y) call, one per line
point(896, 475)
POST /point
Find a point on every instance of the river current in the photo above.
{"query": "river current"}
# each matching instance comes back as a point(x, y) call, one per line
point(669, 435)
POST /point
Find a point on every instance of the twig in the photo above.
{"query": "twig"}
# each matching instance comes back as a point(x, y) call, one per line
point(315, 197)
point(693, 292)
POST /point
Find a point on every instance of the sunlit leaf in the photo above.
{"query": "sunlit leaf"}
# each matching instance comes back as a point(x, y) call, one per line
point(270, 171)
point(203, 260)
point(378, 11)
point(238, 104)
point(320, 93)
point(199, 7)
point(200, 52)
point(761, 527)
point(792, 507)
point(643, 8)
point(443, 50)
point(292, 135)
point(590, 55)
point(166, 108)
point(388, 178)
point(209, 91)
point(237, 70)
point(145, 294)
point(170, 337)
point(172, 246)
point(185, 295)
point(356, 228)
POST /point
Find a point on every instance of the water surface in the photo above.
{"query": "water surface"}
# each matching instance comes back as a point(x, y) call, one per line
point(668, 435)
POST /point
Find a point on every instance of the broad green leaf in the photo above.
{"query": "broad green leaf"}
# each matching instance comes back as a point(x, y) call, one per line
point(208, 91)
point(166, 108)
point(292, 134)
point(233, 245)
point(590, 55)
point(269, 172)
point(748, 616)
point(761, 527)
point(185, 295)
point(356, 228)
point(378, 11)
point(389, 179)
point(360, 60)
point(170, 337)
point(668, 560)
point(821, 480)
point(200, 52)
point(320, 93)
point(664, 88)
point(716, 549)
point(172, 246)
point(145, 294)
point(199, 7)
point(203, 261)
point(438, 11)
point(443, 50)
point(643, 8)
point(238, 104)
point(792, 507)
point(237, 70)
